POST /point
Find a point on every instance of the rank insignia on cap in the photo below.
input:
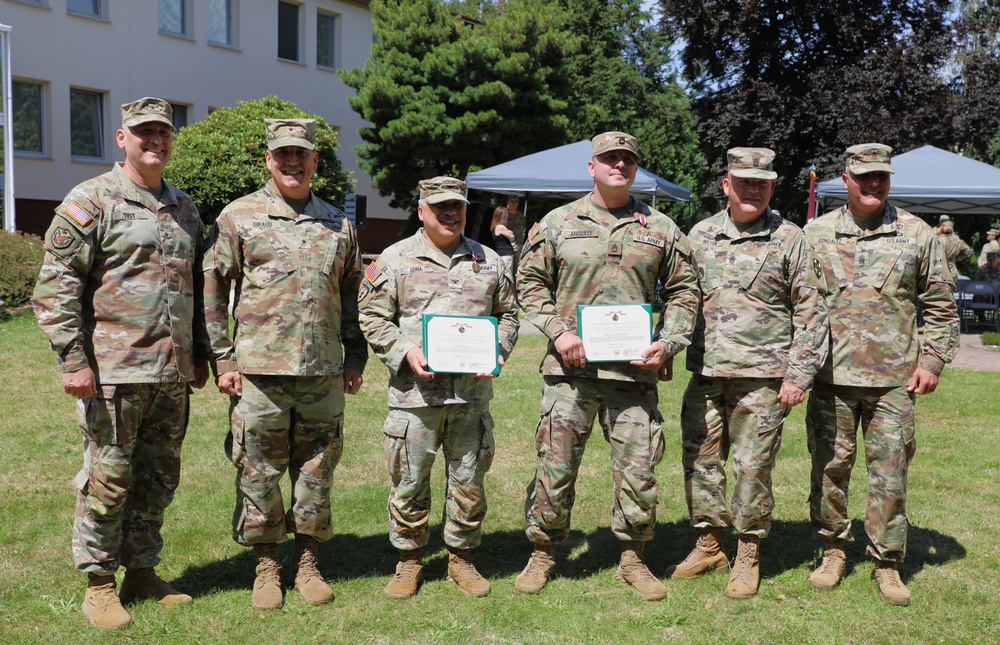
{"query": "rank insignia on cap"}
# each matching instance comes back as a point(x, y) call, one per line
point(77, 213)
point(62, 238)
point(372, 272)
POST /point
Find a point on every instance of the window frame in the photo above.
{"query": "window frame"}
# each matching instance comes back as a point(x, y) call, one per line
point(99, 139)
point(335, 35)
point(187, 25)
point(233, 6)
point(102, 11)
point(299, 34)
point(187, 114)
point(43, 137)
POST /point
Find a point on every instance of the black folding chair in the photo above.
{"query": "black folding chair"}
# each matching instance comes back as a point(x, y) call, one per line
point(979, 305)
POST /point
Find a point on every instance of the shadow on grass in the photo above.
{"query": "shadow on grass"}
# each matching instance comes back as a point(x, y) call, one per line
point(501, 554)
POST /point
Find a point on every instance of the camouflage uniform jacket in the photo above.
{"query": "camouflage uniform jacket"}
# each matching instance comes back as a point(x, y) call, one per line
point(873, 282)
point(117, 290)
point(955, 250)
point(581, 254)
point(989, 247)
point(296, 289)
point(761, 314)
point(988, 274)
point(412, 278)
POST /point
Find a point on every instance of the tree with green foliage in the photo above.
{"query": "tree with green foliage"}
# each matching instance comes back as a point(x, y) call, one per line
point(446, 95)
point(624, 80)
point(221, 158)
point(810, 78)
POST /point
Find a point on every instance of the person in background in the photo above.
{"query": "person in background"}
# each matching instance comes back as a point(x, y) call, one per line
point(503, 238)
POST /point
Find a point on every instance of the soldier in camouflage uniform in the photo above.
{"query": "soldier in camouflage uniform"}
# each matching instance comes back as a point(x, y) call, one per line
point(991, 245)
point(118, 298)
point(761, 336)
point(955, 248)
point(517, 225)
point(436, 271)
point(991, 271)
point(876, 264)
point(294, 263)
point(605, 248)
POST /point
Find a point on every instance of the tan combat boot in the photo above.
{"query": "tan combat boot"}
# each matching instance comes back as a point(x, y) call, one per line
point(308, 580)
point(463, 573)
point(538, 569)
point(142, 584)
point(409, 571)
point(889, 584)
point(745, 578)
point(101, 604)
point(267, 585)
point(831, 569)
point(634, 572)
point(707, 556)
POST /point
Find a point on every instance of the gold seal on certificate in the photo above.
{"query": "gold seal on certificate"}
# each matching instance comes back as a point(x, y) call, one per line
point(615, 332)
point(461, 344)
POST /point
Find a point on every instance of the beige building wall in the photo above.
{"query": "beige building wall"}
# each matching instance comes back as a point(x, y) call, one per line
point(124, 55)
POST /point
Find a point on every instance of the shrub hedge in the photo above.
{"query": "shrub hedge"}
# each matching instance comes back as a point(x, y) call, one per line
point(20, 260)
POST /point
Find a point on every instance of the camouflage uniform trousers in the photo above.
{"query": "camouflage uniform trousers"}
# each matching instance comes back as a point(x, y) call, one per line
point(292, 423)
point(886, 415)
point(631, 424)
point(741, 416)
point(132, 436)
point(464, 431)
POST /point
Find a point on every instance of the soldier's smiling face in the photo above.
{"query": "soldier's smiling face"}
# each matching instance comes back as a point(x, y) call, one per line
point(443, 223)
point(613, 169)
point(867, 192)
point(292, 169)
point(748, 197)
point(147, 146)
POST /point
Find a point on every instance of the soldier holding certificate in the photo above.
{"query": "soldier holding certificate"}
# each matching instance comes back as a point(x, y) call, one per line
point(436, 271)
point(603, 249)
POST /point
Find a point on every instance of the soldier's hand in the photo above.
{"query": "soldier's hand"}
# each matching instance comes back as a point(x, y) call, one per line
point(654, 357)
point(200, 373)
point(352, 380)
point(230, 383)
point(82, 383)
point(418, 363)
point(490, 374)
point(790, 396)
point(570, 348)
point(922, 382)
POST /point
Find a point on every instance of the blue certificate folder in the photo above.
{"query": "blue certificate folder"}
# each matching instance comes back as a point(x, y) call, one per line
point(603, 344)
point(461, 344)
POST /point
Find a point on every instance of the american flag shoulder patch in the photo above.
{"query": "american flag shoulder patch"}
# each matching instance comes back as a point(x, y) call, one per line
point(372, 272)
point(533, 232)
point(77, 213)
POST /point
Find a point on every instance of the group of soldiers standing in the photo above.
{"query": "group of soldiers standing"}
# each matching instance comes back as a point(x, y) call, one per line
point(136, 298)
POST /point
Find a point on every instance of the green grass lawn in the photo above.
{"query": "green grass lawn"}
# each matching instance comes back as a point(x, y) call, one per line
point(952, 566)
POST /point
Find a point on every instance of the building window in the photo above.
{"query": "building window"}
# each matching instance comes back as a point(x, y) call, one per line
point(86, 124)
point(326, 40)
point(27, 99)
point(180, 118)
point(90, 8)
point(174, 17)
point(288, 31)
point(220, 22)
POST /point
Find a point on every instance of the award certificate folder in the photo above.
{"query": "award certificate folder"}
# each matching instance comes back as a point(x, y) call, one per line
point(615, 332)
point(461, 344)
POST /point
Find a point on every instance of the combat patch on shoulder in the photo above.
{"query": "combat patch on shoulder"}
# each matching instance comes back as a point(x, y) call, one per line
point(63, 239)
point(77, 213)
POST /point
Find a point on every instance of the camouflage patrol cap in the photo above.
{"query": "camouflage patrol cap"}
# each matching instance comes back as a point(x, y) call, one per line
point(869, 157)
point(751, 163)
point(608, 141)
point(993, 232)
point(147, 110)
point(944, 218)
point(300, 133)
point(442, 189)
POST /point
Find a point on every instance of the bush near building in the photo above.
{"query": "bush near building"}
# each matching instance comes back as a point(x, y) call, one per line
point(20, 260)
